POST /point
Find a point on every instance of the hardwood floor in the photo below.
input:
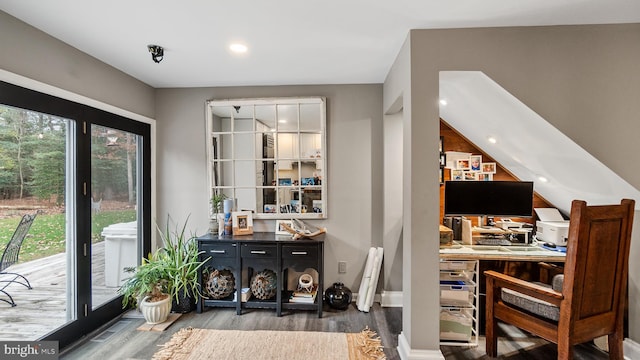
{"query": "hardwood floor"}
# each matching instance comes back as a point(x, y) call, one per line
point(122, 341)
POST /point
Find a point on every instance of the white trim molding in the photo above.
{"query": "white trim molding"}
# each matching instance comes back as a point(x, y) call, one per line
point(630, 349)
point(391, 299)
point(406, 353)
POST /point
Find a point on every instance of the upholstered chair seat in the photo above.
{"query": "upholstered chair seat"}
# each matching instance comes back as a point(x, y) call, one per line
point(533, 305)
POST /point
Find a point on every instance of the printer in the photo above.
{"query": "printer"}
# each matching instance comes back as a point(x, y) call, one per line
point(551, 227)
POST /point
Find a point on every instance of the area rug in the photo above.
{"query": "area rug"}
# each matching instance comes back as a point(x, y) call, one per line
point(198, 344)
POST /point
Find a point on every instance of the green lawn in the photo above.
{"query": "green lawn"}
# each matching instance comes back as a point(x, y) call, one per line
point(47, 234)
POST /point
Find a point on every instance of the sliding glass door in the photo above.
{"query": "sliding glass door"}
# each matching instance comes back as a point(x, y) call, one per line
point(86, 173)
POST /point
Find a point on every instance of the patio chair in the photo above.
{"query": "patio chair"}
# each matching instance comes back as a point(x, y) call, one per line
point(10, 257)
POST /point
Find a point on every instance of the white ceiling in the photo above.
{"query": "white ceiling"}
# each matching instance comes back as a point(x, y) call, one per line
point(290, 41)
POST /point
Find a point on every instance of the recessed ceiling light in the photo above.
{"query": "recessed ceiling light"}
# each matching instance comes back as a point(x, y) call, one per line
point(492, 140)
point(543, 179)
point(443, 102)
point(238, 48)
point(282, 121)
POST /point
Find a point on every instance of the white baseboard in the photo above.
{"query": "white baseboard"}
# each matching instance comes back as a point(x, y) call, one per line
point(406, 353)
point(391, 299)
point(376, 298)
point(630, 349)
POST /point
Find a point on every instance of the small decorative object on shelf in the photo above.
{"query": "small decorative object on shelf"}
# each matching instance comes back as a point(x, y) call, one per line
point(338, 296)
point(264, 284)
point(299, 229)
point(221, 284)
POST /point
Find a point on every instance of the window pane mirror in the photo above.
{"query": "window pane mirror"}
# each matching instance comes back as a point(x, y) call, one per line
point(269, 155)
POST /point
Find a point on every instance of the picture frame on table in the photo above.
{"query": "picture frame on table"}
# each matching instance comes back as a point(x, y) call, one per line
point(280, 230)
point(242, 222)
point(489, 167)
point(441, 173)
point(485, 177)
point(457, 175)
point(443, 159)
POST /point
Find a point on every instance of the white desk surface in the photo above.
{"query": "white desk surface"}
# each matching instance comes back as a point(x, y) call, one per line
point(505, 253)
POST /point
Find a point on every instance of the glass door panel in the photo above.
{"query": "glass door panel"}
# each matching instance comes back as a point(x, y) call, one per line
point(35, 167)
point(114, 227)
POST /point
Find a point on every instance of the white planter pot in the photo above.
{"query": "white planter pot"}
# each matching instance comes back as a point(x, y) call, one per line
point(155, 312)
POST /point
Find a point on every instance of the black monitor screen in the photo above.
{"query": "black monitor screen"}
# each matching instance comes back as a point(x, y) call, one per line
point(497, 198)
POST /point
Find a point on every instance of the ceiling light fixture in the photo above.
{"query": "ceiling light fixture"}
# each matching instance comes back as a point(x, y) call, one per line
point(492, 140)
point(443, 102)
point(238, 48)
point(157, 52)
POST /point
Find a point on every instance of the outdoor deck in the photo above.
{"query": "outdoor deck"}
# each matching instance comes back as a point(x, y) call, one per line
point(43, 308)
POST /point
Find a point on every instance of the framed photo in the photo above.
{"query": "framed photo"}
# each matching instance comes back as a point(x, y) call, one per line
point(485, 177)
point(457, 175)
point(462, 164)
point(284, 181)
point(489, 167)
point(270, 208)
point(441, 143)
point(308, 181)
point(475, 161)
point(242, 222)
point(470, 175)
point(441, 173)
point(280, 230)
point(443, 159)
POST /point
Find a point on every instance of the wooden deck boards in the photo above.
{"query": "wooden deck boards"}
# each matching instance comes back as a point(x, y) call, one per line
point(44, 308)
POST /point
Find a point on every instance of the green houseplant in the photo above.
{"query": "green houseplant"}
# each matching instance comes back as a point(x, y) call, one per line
point(180, 256)
point(149, 287)
point(216, 207)
point(171, 273)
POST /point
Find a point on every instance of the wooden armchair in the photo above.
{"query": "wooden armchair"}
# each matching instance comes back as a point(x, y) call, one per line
point(590, 300)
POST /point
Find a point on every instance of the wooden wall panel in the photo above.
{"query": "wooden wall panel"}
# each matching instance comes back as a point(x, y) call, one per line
point(453, 141)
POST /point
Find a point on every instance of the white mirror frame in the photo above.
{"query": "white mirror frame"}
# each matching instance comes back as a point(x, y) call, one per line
point(225, 131)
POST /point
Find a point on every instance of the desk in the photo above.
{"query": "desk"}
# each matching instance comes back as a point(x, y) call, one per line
point(500, 253)
point(486, 257)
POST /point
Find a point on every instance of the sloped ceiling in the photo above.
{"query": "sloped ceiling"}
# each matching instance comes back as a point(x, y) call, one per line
point(527, 145)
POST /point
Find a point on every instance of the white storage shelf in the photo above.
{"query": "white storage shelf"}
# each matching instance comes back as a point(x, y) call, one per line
point(459, 323)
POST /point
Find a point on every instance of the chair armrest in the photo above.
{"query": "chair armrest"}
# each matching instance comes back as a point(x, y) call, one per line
point(500, 280)
point(549, 271)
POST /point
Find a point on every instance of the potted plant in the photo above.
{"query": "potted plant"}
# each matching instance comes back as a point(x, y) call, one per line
point(180, 255)
point(216, 206)
point(171, 273)
point(149, 287)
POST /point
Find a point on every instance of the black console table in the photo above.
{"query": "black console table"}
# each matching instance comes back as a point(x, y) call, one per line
point(244, 254)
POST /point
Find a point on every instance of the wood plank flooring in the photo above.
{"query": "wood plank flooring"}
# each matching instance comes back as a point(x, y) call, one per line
point(121, 341)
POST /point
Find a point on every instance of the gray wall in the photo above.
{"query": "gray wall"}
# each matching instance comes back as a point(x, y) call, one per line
point(354, 173)
point(585, 80)
point(34, 54)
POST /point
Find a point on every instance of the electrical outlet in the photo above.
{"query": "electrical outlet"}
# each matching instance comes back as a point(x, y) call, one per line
point(342, 267)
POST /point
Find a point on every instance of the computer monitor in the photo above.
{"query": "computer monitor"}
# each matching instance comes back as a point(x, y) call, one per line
point(488, 198)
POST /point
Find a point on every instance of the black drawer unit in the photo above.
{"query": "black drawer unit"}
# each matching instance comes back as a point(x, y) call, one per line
point(299, 257)
point(259, 251)
point(219, 250)
point(249, 254)
point(222, 255)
